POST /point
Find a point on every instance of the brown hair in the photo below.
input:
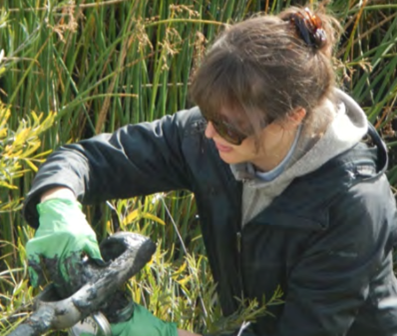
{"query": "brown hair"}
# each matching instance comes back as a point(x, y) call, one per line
point(269, 64)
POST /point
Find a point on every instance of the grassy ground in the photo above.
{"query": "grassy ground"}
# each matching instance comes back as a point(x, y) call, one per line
point(102, 64)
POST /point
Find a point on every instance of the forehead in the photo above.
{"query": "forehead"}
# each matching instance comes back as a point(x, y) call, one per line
point(245, 120)
point(243, 117)
point(234, 113)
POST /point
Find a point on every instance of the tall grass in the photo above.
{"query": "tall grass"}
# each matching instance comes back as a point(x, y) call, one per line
point(103, 64)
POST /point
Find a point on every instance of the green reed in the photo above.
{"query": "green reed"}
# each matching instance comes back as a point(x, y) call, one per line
point(103, 64)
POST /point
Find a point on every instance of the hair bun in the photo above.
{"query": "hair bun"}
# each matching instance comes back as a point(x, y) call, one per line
point(309, 27)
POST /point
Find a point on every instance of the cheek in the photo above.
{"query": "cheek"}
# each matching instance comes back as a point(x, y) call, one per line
point(249, 147)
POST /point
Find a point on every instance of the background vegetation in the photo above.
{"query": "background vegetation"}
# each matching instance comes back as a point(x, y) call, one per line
point(71, 69)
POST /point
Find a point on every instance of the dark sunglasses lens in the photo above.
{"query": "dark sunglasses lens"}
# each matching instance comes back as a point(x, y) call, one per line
point(228, 133)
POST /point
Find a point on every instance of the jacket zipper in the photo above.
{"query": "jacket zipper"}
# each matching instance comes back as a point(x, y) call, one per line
point(239, 243)
point(239, 264)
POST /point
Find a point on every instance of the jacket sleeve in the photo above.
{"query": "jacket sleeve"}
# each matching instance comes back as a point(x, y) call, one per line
point(331, 282)
point(135, 160)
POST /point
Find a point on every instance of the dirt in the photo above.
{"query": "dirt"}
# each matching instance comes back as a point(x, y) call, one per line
point(80, 270)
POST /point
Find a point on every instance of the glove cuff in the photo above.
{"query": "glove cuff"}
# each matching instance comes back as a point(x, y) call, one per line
point(57, 204)
point(172, 329)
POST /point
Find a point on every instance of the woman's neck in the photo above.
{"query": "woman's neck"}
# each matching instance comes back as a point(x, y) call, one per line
point(272, 157)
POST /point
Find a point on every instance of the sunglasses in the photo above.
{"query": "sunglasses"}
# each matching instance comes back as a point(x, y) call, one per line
point(226, 130)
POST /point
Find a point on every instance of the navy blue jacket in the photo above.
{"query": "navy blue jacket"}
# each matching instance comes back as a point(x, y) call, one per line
point(326, 240)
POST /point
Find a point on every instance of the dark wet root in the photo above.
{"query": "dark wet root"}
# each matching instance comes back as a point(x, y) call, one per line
point(79, 270)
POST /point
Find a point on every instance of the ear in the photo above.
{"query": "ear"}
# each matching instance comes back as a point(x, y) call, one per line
point(295, 118)
point(298, 115)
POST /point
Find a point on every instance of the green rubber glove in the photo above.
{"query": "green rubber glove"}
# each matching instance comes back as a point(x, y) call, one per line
point(61, 238)
point(142, 323)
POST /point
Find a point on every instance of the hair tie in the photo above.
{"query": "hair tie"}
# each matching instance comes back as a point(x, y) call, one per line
point(309, 28)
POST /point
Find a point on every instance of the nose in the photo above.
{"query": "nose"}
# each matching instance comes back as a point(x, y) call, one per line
point(210, 131)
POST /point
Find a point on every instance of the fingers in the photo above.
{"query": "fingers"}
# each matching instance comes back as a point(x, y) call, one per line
point(36, 275)
point(34, 269)
point(92, 250)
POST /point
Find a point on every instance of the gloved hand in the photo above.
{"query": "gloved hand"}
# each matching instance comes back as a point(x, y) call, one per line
point(62, 236)
point(142, 323)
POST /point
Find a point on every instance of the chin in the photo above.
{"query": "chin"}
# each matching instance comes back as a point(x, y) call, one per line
point(230, 159)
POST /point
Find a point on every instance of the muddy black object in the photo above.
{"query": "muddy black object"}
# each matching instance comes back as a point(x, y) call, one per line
point(94, 289)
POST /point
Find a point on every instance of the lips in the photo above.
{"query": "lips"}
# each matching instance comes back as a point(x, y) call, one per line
point(222, 148)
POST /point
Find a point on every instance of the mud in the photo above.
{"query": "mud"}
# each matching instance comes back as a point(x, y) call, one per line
point(120, 308)
point(90, 286)
point(72, 273)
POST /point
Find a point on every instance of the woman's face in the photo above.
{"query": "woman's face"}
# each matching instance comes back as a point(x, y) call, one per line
point(275, 140)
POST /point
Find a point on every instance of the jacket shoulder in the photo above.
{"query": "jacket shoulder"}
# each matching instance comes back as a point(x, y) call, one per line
point(191, 121)
point(352, 175)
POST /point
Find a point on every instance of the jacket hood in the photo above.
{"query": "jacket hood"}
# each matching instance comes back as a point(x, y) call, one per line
point(348, 127)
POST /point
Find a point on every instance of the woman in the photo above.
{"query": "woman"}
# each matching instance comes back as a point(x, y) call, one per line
point(288, 193)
